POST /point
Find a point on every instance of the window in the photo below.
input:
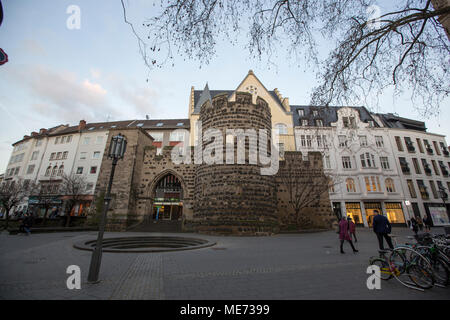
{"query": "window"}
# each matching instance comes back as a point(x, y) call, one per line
point(423, 190)
point(390, 186)
point(367, 181)
point(427, 146)
point(91, 128)
point(301, 112)
point(139, 125)
point(350, 183)
point(327, 163)
point(342, 141)
point(331, 187)
point(319, 123)
point(61, 170)
point(436, 170)
point(315, 113)
point(308, 141)
point(349, 122)
point(63, 139)
point(409, 144)
point(86, 140)
point(319, 141)
point(89, 186)
point(346, 163)
point(48, 171)
point(30, 169)
point(65, 154)
point(16, 171)
point(99, 140)
point(426, 167)
point(281, 149)
point(83, 155)
point(304, 122)
point(38, 143)
point(404, 165)
point(80, 170)
point(399, 143)
point(34, 155)
point(412, 190)
point(363, 141)
point(443, 169)
point(96, 155)
point(93, 170)
point(54, 171)
point(157, 136)
point(436, 148)
point(303, 141)
point(69, 139)
point(419, 144)
point(281, 128)
point(434, 190)
point(416, 165)
point(385, 163)
point(57, 140)
point(52, 156)
point(379, 141)
point(180, 124)
point(58, 155)
point(159, 124)
point(444, 149)
point(367, 160)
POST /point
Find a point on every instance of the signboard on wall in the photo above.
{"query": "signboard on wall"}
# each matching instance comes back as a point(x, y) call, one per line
point(439, 216)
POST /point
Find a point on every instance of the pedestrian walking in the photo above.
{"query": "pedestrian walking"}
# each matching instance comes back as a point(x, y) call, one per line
point(420, 222)
point(414, 226)
point(427, 223)
point(382, 228)
point(344, 234)
point(352, 229)
point(26, 224)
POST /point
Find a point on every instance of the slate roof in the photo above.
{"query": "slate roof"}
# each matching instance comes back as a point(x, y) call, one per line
point(393, 121)
point(326, 114)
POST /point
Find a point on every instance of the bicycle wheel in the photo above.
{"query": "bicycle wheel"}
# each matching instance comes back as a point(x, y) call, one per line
point(410, 268)
point(441, 271)
point(385, 272)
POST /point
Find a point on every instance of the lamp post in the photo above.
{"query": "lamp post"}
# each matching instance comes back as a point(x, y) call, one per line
point(116, 151)
point(444, 195)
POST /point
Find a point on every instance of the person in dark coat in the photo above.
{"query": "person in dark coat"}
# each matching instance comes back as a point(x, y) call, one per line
point(352, 228)
point(420, 223)
point(382, 227)
point(414, 226)
point(27, 222)
point(344, 234)
point(427, 224)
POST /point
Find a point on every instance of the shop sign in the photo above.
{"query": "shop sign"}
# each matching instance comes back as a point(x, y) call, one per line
point(439, 216)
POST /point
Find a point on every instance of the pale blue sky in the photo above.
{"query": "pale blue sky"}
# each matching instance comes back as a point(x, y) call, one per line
point(56, 75)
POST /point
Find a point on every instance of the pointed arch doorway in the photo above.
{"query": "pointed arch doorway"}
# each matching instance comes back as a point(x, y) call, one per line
point(167, 199)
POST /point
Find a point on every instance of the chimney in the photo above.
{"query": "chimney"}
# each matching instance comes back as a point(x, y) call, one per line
point(25, 137)
point(34, 133)
point(42, 130)
point(82, 125)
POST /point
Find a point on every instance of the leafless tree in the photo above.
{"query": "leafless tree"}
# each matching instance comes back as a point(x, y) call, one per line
point(304, 185)
point(12, 193)
point(405, 49)
point(73, 187)
point(45, 193)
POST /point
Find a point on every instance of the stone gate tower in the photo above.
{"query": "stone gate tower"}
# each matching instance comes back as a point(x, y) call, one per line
point(233, 196)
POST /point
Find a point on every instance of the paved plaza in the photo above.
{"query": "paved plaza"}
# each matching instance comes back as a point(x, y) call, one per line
point(285, 266)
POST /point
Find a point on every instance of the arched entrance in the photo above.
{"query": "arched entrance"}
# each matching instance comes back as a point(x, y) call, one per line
point(167, 199)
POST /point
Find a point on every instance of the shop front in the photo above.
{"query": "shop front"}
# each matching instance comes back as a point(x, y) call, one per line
point(50, 204)
point(394, 213)
point(438, 214)
point(353, 210)
point(370, 208)
point(167, 210)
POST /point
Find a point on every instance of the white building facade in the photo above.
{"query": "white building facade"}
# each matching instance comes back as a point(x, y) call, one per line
point(361, 155)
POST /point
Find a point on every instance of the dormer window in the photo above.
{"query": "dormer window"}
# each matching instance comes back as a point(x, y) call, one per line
point(159, 124)
point(301, 112)
point(91, 128)
point(315, 113)
point(349, 122)
point(319, 123)
point(139, 125)
point(304, 123)
point(180, 124)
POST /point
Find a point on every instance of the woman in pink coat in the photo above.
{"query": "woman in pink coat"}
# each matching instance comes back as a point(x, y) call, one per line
point(344, 234)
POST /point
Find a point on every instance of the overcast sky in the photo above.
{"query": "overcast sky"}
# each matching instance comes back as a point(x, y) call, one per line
point(59, 76)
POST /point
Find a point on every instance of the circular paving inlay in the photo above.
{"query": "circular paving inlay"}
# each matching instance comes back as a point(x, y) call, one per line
point(146, 244)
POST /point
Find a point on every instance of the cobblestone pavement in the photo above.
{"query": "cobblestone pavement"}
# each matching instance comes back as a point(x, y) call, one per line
point(288, 266)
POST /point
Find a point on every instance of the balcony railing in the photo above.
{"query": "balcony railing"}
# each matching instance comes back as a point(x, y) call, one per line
point(429, 150)
point(425, 195)
point(406, 170)
point(428, 171)
point(445, 152)
point(411, 148)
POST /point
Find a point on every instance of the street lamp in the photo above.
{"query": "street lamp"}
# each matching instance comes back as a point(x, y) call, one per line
point(116, 151)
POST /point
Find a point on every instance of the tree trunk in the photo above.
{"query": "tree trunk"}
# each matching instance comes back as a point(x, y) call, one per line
point(6, 220)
